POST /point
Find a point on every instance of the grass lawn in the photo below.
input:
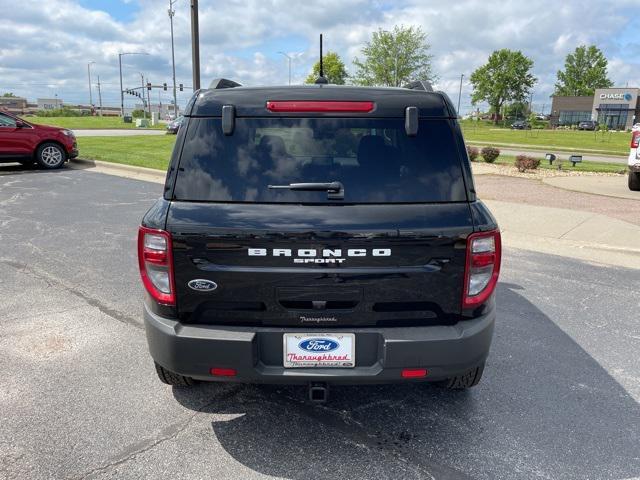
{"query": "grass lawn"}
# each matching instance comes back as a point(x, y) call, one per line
point(84, 122)
point(142, 151)
point(612, 143)
point(155, 152)
point(566, 166)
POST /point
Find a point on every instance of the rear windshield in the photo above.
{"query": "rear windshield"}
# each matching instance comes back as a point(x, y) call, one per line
point(373, 159)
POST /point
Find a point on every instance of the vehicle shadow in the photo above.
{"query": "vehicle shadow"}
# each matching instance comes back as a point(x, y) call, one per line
point(545, 408)
point(20, 169)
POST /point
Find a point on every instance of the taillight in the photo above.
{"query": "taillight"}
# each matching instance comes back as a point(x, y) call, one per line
point(156, 264)
point(319, 106)
point(635, 139)
point(484, 251)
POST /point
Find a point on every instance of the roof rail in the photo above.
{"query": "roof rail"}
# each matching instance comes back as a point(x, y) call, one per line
point(223, 83)
point(419, 85)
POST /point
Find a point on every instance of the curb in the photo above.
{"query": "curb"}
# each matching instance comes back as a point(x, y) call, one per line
point(118, 169)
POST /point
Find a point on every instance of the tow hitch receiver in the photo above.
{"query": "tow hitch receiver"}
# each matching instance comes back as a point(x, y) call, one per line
point(318, 392)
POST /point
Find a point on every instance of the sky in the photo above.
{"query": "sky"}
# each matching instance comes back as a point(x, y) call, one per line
point(45, 45)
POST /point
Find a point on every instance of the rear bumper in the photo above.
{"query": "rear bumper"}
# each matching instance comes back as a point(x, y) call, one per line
point(256, 353)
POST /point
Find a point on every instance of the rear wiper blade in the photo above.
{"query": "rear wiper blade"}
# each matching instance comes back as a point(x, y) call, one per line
point(335, 190)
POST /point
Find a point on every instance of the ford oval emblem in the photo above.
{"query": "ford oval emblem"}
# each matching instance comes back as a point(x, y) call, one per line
point(202, 285)
point(318, 345)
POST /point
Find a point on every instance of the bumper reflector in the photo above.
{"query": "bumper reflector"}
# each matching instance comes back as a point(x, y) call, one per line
point(414, 373)
point(223, 372)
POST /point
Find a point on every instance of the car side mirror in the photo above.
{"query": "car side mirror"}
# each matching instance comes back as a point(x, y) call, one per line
point(20, 124)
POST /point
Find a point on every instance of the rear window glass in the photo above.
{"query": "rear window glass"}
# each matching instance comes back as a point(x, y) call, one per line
point(374, 160)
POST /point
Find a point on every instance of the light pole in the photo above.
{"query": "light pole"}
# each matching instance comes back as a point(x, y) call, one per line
point(460, 93)
point(289, 58)
point(173, 58)
point(99, 95)
point(120, 55)
point(89, 73)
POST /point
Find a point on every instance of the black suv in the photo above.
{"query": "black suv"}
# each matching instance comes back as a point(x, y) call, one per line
point(319, 235)
point(588, 125)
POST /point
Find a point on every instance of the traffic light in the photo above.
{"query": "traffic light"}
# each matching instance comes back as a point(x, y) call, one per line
point(180, 87)
point(164, 87)
point(148, 85)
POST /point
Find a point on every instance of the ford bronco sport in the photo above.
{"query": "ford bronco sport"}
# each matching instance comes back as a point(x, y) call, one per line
point(319, 235)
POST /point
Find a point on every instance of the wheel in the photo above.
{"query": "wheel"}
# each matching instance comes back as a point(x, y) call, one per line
point(51, 155)
point(468, 379)
point(174, 379)
point(634, 181)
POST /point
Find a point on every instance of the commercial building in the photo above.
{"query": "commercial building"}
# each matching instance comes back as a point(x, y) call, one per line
point(13, 104)
point(49, 103)
point(618, 108)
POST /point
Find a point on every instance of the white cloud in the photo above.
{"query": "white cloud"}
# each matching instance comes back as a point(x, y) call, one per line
point(45, 46)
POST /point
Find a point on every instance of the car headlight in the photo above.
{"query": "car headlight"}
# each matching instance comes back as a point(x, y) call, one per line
point(68, 133)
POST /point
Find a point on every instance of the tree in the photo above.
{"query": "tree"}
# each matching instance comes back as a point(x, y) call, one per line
point(506, 77)
point(516, 110)
point(9, 95)
point(584, 70)
point(334, 70)
point(394, 58)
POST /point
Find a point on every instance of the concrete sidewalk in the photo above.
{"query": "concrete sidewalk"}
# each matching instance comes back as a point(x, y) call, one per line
point(599, 185)
point(117, 132)
point(571, 233)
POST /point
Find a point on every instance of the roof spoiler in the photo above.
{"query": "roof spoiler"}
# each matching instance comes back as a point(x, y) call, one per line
point(419, 85)
point(223, 83)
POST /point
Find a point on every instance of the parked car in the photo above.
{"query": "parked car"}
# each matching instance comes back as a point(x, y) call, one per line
point(520, 125)
point(174, 125)
point(634, 162)
point(27, 143)
point(588, 125)
point(319, 235)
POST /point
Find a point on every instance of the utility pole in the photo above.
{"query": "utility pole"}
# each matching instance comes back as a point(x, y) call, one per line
point(120, 55)
point(99, 95)
point(89, 74)
point(148, 100)
point(144, 102)
point(173, 57)
point(195, 47)
point(460, 93)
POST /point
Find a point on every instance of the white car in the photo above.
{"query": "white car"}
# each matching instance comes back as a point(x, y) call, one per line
point(634, 161)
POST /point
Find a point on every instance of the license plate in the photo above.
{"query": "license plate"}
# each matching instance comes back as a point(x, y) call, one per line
point(306, 350)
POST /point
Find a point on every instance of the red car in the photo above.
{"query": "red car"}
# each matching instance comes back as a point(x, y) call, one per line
point(24, 142)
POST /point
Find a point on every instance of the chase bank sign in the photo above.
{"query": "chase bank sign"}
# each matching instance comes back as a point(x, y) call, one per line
point(616, 96)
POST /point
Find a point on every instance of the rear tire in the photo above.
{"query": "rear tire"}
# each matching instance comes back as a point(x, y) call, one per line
point(50, 156)
point(634, 181)
point(468, 379)
point(173, 379)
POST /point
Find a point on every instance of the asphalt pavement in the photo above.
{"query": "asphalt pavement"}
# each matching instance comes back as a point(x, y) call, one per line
point(79, 397)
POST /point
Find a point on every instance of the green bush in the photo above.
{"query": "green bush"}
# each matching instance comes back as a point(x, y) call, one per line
point(59, 112)
point(490, 154)
point(472, 153)
point(138, 113)
point(525, 162)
